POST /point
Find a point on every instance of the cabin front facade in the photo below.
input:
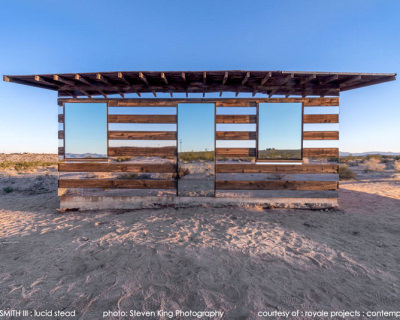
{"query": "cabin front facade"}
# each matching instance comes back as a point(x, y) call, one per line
point(279, 146)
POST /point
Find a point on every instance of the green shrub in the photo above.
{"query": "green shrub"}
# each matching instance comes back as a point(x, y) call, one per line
point(8, 189)
point(345, 173)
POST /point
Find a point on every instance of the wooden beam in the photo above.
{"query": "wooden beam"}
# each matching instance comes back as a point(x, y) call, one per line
point(225, 78)
point(7, 79)
point(63, 80)
point(164, 78)
point(117, 183)
point(204, 78)
point(143, 78)
point(246, 77)
point(142, 151)
point(100, 78)
point(351, 80)
point(265, 79)
point(116, 167)
point(122, 78)
point(279, 168)
point(41, 80)
point(235, 135)
point(320, 135)
point(236, 152)
point(141, 118)
point(320, 152)
point(321, 118)
point(329, 79)
point(142, 135)
point(307, 79)
point(183, 76)
point(276, 185)
point(82, 79)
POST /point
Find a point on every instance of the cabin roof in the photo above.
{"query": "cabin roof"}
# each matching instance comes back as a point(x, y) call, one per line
point(285, 83)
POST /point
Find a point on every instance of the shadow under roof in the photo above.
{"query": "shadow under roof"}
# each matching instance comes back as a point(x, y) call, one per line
point(271, 83)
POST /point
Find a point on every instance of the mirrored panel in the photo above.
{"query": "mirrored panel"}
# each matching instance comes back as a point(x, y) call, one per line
point(196, 149)
point(85, 130)
point(279, 131)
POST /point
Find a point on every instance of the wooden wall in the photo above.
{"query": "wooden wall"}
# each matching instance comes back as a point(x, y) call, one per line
point(237, 172)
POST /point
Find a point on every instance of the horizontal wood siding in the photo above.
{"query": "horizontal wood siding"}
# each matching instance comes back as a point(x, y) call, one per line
point(321, 118)
point(236, 119)
point(235, 135)
point(276, 185)
point(321, 152)
point(142, 151)
point(117, 167)
point(142, 135)
point(118, 183)
point(257, 168)
point(129, 118)
point(320, 135)
point(60, 134)
point(236, 152)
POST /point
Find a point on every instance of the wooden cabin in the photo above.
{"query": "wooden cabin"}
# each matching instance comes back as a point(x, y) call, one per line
point(196, 141)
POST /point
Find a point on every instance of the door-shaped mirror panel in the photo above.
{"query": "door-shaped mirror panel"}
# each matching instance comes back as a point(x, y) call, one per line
point(196, 149)
point(85, 130)
point(279, 131)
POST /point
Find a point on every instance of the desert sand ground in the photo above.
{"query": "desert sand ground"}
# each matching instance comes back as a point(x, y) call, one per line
point(236, 260)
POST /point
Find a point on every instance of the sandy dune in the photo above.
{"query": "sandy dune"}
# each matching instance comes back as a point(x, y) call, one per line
point(236, 260)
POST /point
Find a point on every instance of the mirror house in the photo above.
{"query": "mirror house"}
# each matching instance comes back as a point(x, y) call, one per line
point(196, 139)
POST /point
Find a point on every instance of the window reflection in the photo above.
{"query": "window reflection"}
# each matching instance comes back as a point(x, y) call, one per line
point(279, 131)
point(85, 130)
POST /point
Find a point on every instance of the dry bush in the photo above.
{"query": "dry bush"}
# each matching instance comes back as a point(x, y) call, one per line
point(396, 165)
point(345, 173)
point(373, 164)
point(183, 172)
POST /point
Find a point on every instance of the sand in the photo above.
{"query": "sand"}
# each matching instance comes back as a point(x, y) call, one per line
point(235, 260)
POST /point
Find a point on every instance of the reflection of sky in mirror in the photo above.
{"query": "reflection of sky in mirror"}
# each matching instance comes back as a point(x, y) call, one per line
point(195, 127)
point(279, 126)
point(86, 128)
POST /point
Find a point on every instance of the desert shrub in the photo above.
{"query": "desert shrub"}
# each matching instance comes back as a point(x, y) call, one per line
point(374, 156)
point(345, 173)
point(8, 189)
point(183, 172)
point(397, 158)
point(373, 164)
point(197, 155)
point(25, 165)
point(396, 165)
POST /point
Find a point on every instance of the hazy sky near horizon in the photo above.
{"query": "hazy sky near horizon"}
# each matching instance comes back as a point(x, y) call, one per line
point(47, 36)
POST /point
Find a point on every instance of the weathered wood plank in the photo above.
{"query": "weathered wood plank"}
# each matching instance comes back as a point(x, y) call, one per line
point(116, 167)
point(235, 135)
point(257, 168)
point(118, 183)
point(222, 118)
point(321, 102)
point(321, 118)
point(129, 118)
point(142, 135)
point(60, 151)
point(276, 185)
point(228, 102)
point(236, 152)
point(142, 151)
point(60, 134)
point(321, 152)
point(320, 135)
point(61, 118)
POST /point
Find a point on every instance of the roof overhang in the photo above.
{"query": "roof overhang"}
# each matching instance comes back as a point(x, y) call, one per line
point(286, 83)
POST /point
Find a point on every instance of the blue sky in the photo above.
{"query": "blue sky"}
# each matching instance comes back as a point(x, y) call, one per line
point(82, 36)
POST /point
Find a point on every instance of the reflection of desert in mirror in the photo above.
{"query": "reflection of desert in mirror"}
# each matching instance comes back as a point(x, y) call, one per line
point(279, 131)
point(196, 149)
